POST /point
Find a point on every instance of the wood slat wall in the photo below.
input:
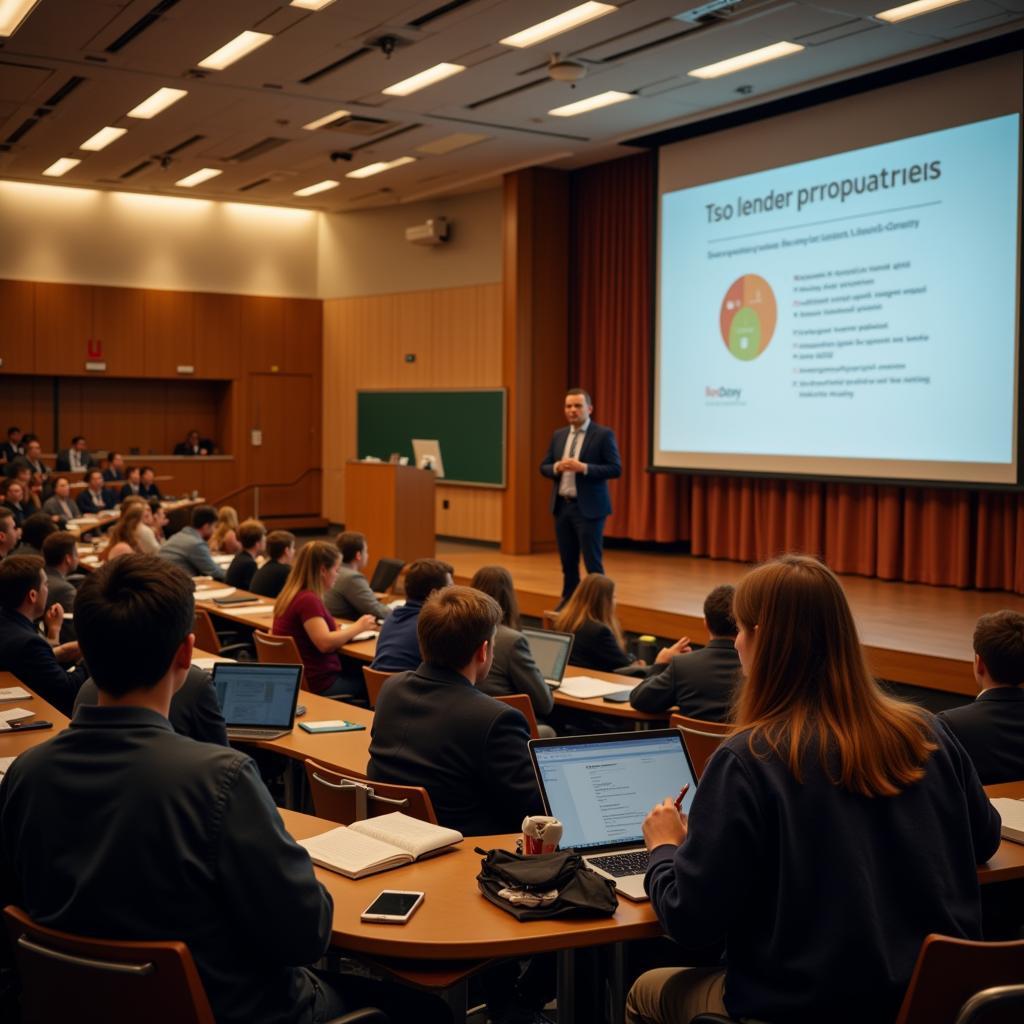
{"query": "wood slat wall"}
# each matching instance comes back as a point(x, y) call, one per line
point(455, 335)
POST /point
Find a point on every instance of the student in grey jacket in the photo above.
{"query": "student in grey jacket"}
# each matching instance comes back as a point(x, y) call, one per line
point(351, 596)
point(513, 669)
point(188, 548)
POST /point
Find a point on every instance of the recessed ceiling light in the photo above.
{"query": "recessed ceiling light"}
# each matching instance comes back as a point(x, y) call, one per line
point(320, 186)
point(603, 99)
point(905, 11)
point(437, 73)
point(381, 165)
point(558, 24)
point(241, 46)
point(326, 119)
point(450, 143)
point(12, 14)
point(157, 103)
point(746, 60)
point(61, 166)
point(198, 177)
point(312, 5)
point(103, 138)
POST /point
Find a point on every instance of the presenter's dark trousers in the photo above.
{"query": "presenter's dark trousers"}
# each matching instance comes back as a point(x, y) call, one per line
point(577, 536)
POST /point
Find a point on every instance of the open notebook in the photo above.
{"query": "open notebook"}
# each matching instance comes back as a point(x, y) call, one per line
point(1012, 813)
point(378, 844)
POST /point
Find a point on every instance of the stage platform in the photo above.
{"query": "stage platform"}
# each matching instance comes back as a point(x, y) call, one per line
point(913, 634)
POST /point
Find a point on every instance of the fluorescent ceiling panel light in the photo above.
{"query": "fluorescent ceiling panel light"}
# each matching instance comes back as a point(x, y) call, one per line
point(381, 165)
point(894, 14)
point(198, 177)
point(450, 143)
point(438, 73)
point(312, 5)
point(746, 60)
point(326, 119)
point(558, 24)
point(320, 186)
point(157, 103)
point(241, 46)
point(103, 138)
point(603, 99)
point(61, 166)
point(12, 14)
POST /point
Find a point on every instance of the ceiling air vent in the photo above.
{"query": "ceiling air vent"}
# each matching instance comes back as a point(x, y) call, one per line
point(131, 172)
point(145, 22)
point(254, 184)
point(438, 12)
point(256, 149)
point(340, 63)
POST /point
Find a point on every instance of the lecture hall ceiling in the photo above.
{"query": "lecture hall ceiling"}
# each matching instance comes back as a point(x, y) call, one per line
point(74, 67)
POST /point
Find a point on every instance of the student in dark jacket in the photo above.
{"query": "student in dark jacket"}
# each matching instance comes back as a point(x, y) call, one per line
point(252, 535)
point(992, 728)
point(819, 857)
point(590, 616)
point(398, 648)
point(434, 728)
point(270, 578)
point(95, 498)
point(23, 652)
point(702, 684)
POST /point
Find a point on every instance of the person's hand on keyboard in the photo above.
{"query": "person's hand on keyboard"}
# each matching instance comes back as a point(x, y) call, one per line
point(664, 825)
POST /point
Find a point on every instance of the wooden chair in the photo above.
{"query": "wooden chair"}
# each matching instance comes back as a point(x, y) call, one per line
point(209, 640)
point(374, 681)
point(278, 650)
point(521, 702)
point(1003, 1004)
point(702, 738)
point(345, 799)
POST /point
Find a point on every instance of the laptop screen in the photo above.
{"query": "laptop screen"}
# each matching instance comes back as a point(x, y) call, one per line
point(257, 696)
point(550, 651)
point(602, 787)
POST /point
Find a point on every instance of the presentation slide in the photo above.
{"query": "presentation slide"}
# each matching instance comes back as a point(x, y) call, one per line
point(855, 314)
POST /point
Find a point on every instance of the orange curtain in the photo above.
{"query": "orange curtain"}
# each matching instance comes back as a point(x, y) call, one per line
point(962, 538)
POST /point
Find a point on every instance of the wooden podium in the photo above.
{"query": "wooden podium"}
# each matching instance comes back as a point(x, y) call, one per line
point(393, 506)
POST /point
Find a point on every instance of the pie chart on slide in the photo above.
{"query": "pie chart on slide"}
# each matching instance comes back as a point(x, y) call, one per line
point(748, 317)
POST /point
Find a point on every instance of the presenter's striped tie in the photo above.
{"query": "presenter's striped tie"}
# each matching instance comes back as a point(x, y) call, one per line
point(572, 446)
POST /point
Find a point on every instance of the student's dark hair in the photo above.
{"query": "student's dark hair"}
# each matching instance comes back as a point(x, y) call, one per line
point(250, 533)
point(77, 438)
point(278, 542)
point(203, 515)
point(13, 430)
point(6, 512)
point(18, 575)
point(146, 469)
point(999, 640)
point(131, 616)
point(57, 480)
point(425, 575)
point(27, 439)
point(350, 544)
point(57, 547)
point(90, 473)
point(36, 528)
point(154, 504)
point(453, 623)
point(132, 469)
point(496, 581)
point(718, 611)
point(112, 455)
point(580, 391)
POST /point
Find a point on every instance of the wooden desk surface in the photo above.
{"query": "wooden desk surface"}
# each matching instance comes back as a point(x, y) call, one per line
point(14, 742)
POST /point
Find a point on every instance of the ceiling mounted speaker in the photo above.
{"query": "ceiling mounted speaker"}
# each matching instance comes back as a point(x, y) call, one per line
point(565, 70)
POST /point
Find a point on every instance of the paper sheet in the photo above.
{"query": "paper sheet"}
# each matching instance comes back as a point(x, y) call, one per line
point(586, 687)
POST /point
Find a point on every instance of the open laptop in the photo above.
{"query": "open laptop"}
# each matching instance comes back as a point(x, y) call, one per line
point(602, 787)
point(550, 651)
point(257, 701)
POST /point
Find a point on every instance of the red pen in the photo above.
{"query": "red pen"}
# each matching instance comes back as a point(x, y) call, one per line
point(679, 799)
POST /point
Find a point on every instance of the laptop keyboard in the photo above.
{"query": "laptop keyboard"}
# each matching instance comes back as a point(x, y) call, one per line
point(618, 865)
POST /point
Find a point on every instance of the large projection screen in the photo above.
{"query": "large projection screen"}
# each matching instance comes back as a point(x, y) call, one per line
point(839, 287)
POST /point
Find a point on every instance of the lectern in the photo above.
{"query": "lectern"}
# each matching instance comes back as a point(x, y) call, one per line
point(393, 506)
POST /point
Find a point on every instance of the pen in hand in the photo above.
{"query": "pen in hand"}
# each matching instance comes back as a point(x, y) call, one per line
point(679, 799)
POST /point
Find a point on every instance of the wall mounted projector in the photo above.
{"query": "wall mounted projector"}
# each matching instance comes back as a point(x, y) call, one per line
point(434, 232)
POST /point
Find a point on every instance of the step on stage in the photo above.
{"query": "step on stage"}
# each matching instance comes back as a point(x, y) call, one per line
point(913, 633)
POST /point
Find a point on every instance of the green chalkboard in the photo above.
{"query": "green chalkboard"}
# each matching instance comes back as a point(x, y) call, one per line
point(470, 426)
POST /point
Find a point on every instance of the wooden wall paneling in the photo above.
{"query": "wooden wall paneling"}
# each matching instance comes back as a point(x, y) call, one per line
point(118, 330)
point(27, 402)
point(219, 478)
point(63, 327)
point(118, 415)
point(169, 341)
point(191, 405)
point(303, 330)
point(473, 512)
point(17, 342)
point(334, 399)
point(262, 333)
point(217, 326)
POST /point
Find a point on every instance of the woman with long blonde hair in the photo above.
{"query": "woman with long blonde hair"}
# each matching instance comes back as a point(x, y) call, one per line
point(299, 612)
point(122, 539)
point(224, 538)
point(590, 616)
point(831, 832)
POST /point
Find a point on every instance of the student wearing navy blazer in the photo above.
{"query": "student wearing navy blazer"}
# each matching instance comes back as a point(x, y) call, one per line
point(581, 459)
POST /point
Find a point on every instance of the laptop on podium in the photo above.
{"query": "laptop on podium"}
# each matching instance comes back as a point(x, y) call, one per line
point(602, 787)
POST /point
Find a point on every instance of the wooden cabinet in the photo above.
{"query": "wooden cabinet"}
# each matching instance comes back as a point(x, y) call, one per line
point(217, 322)
point(169, 337)
point(63, 328)
point(117, 330)
point(17, 343)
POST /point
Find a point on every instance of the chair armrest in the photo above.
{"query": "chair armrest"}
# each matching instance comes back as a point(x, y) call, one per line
point(367, 1015)
point(233, 650)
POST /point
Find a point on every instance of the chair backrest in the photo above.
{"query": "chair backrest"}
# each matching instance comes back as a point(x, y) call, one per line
point(1003, 1004)
point(521, 702)
point(206, 635)
point(345, 798)
point(385, 574)
point(278, 650)
point(68, 977)
point(949, 971)
point(374, 681)
point(702, 739)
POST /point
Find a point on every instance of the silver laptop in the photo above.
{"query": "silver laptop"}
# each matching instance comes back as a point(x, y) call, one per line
point(551, 652)
point(602, 787)
point(257, 701)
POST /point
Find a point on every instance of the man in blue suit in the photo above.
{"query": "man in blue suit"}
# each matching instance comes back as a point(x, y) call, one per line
point(581, 459)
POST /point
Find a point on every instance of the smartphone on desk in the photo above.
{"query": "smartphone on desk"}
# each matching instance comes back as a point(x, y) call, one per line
point(619, 697)
point(392, 906)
